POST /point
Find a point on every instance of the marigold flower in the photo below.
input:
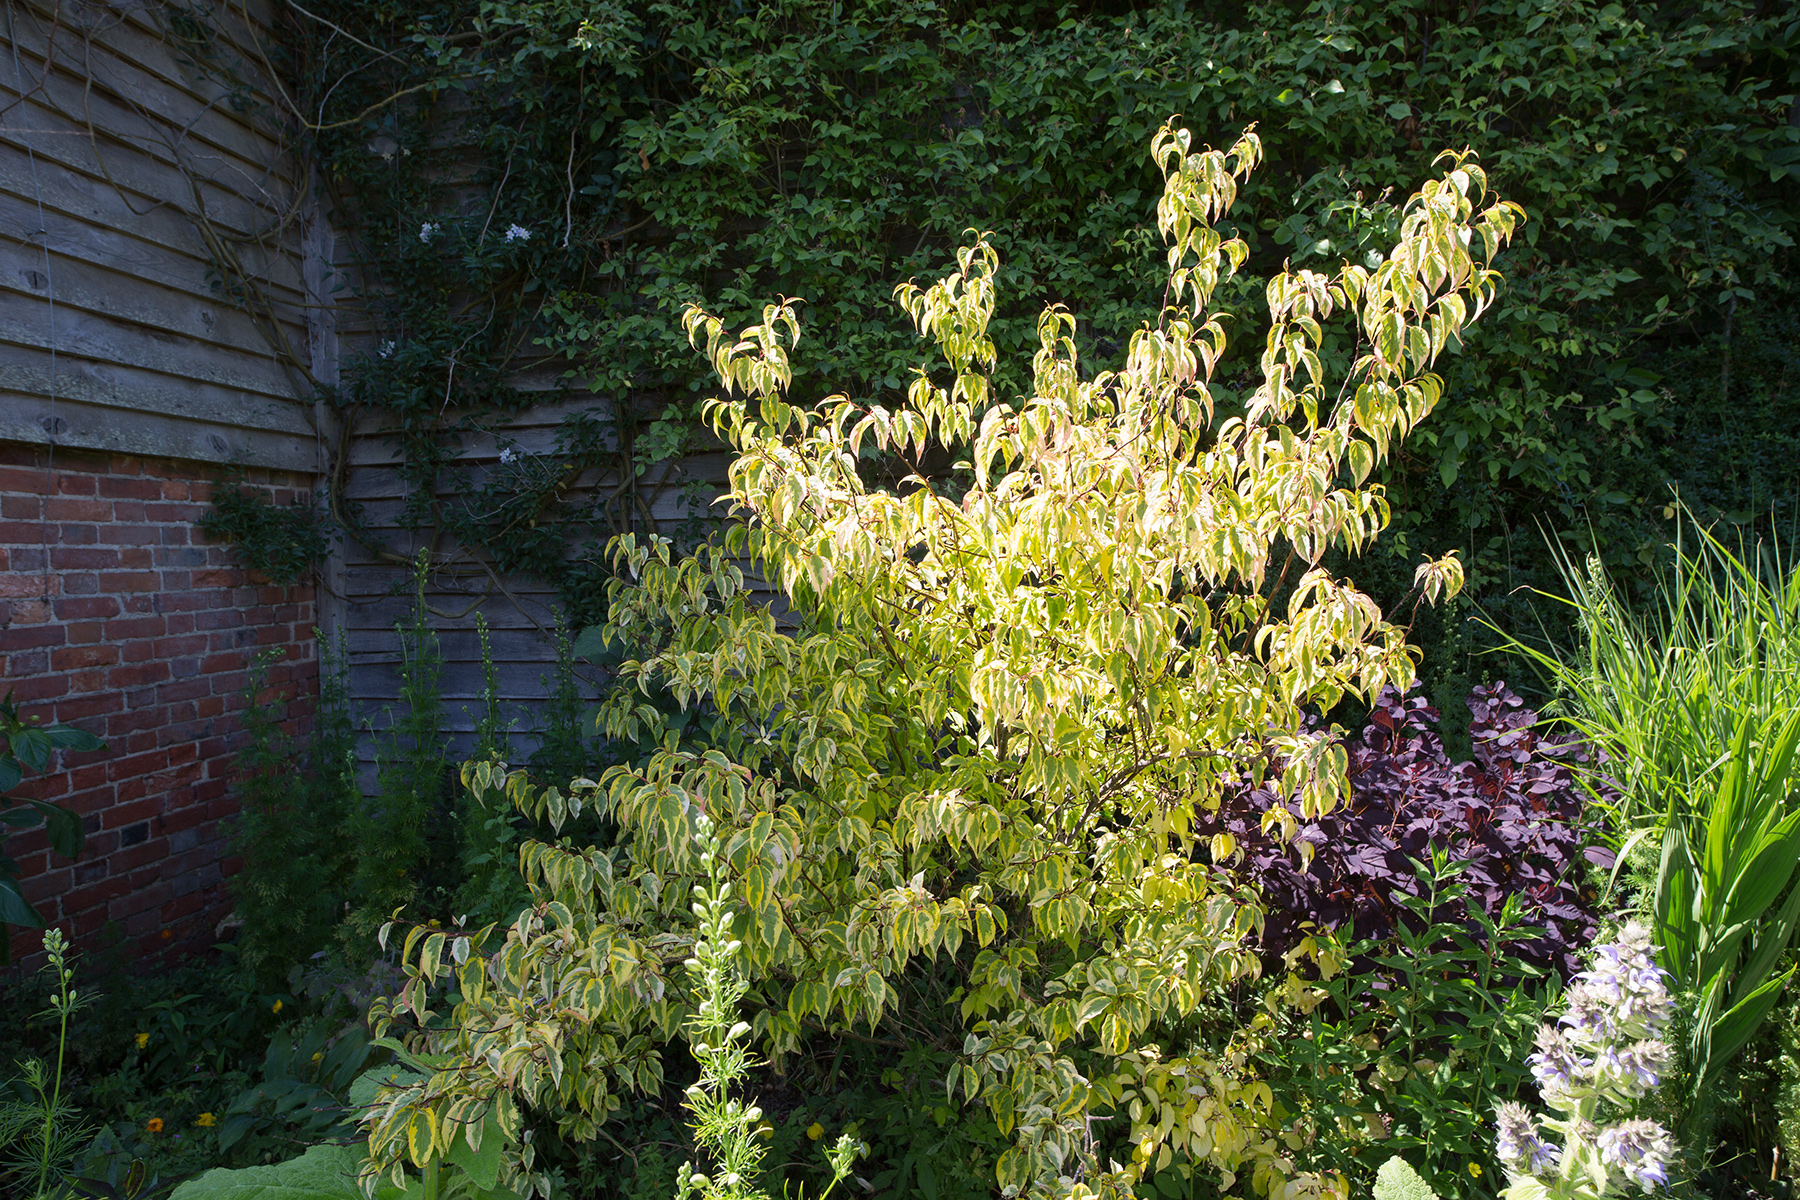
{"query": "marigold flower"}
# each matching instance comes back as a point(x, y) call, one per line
point(153, 1125)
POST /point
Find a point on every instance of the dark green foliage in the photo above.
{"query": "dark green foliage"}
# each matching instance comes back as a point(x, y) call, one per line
point(564, 751)
point(402, 828)
point(297, 863)
point(181, 1046)
point(25, 746)
point(281, 542)
point(662, 153)
point(300, 1095)
point(490, 888)
point(334, 796)
point(1410, 1049)
point(281, 837)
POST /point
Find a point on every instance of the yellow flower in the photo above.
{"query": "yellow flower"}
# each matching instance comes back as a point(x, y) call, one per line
point(317, 1055)
point(143, 1039)
point(275, 1007)
point(1475, 1169)
point(153, 1125)
point(206, 1120)
point(815, 1131)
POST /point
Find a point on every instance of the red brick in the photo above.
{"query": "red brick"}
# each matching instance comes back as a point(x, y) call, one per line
point(136, 489)
point(77, 608)
point(178, 647)
point(131, 813)
point(196, 687)
point(130, 581)
point(138, 675)
point(118, 534)
point(81, 633)
point(132, 765)
point(68, 658)
point(28, 637)
point(38, 687)
point(19, 583)
point(24, 479)
point(84, 558)
point(144, 625)
point(97, 704)
point(186, 514)
point(117, 615)
point(64, 508)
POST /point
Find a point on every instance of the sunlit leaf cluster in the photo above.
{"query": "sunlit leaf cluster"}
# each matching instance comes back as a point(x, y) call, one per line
point(982, 723)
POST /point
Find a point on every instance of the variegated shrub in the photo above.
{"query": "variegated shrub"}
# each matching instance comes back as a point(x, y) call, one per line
point(982, 724)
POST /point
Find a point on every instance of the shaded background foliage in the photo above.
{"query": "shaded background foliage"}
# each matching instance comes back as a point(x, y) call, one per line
point(661, 153)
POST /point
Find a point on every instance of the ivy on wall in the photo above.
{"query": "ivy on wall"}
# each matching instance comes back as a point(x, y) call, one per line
point(532, 178)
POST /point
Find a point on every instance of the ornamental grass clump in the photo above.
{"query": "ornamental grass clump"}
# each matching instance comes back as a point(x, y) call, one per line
point(1603, 1056)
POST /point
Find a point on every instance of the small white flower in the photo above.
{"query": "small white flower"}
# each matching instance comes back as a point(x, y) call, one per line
point(517, 233)
point(429, 230)
point(508, 454)
point(387, 349)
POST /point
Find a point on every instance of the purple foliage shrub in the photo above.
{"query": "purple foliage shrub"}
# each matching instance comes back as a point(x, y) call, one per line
point(1513, 816)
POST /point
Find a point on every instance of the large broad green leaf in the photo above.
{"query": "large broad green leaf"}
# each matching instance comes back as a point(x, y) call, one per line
point(322, 1173)
point(483, 1165)
point(62, 826)
point(13, 908)
point(67, 737)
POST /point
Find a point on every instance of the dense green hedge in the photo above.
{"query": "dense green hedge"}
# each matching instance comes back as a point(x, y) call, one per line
point(659, 153)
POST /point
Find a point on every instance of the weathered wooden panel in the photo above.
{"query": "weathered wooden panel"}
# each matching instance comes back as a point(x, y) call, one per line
point(152, 295)
point(108, 297)
point(30, 417)
point(136, 195)
point(90, 223)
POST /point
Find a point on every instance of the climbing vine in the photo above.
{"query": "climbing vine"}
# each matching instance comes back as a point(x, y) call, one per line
point(541, 185)
point(529, 191)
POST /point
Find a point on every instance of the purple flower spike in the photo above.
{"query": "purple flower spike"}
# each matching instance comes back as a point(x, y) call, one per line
point(1640, 1150)
point(1557, 1067)
point(1519, 1144)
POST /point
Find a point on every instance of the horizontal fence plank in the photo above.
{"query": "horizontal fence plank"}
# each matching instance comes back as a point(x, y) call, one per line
point(30, 370)
point(78, 286)
point(232, 206)
point(124, 77)
point(31, 417)
point(75, 333)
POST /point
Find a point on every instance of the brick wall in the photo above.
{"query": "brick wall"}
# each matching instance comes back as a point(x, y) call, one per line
point(118, 617)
